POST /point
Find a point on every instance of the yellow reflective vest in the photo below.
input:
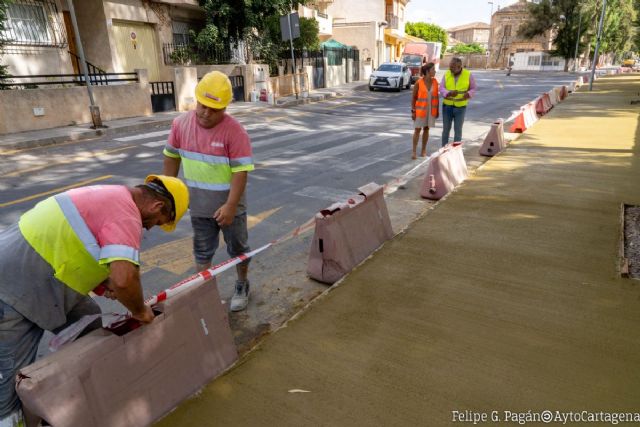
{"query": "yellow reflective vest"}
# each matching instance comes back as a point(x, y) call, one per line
point(58, 233)
point(461, 85)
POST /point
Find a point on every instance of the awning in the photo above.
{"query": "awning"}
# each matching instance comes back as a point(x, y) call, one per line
point(332, 43)
point(388, 32)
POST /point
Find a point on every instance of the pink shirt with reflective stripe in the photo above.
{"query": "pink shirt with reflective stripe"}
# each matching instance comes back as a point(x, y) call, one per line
point(227, 139)
point(111, 215)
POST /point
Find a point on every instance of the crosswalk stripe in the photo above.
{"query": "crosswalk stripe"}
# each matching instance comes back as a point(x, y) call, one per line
point(356, 144)
point(143, 136)
point(162, 142)
point(280, 138)
point(325, 193)
point(302, 145)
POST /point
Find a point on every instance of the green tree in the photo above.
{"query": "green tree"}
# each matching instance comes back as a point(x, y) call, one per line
point(3, 19)
point(231, 21)
point(562, 17)
point(276, 48)
point(468, 48)
point(427, 32)
point(636, 28)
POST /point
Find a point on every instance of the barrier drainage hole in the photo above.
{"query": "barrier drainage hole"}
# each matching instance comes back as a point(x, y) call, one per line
point(632, 240)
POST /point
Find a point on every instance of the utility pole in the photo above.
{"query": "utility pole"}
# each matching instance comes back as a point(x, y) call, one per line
point(575, 55)
point(93, 108)
point(595, 53)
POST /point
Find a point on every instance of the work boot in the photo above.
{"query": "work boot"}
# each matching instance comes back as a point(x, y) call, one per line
point(240, 298)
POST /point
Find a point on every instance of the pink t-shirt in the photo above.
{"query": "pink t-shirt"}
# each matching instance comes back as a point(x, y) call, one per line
point(224, 149)
point(227, 139)
point(113, 218)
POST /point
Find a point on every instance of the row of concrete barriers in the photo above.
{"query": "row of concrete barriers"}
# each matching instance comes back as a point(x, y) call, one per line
point(152, 369)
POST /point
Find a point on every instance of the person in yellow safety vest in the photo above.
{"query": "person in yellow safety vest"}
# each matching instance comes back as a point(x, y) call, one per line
point(215, 153)
point(425, 107)
point(457, 87)
point(62, 249)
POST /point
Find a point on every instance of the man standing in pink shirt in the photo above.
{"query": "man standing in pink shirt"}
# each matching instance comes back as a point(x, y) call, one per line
point(215, 153)
point(457, 87)
point(62, 249)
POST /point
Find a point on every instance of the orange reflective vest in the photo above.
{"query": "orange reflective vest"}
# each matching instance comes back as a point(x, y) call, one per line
point(423, 96)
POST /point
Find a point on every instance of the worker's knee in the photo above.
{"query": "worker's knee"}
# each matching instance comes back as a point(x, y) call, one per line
point(205, 239)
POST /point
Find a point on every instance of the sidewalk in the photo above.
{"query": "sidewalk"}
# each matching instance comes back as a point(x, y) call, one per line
point(38, 138)
point(504, 297)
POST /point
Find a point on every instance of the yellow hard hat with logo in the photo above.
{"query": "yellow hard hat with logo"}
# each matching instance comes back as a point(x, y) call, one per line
point(175, 190)
point(214, 90)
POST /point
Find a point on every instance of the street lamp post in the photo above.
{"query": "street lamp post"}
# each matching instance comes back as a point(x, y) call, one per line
point(595, 53)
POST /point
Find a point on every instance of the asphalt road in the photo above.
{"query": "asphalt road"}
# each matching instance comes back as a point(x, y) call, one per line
point(306, 158)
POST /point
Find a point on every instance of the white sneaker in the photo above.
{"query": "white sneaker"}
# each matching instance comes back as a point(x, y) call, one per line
point(240, 298)
point(13, 420)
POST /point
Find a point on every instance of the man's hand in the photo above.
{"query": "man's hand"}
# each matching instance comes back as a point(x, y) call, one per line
point(413, 115)
point(225, 214)
point(146, 316)
point(466, 95)
point(452, 94)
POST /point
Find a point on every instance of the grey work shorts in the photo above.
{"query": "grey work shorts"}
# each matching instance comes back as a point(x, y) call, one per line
point(206, 232)
point(19, 339)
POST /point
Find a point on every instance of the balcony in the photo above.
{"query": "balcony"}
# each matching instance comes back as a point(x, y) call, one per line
point(325, 27)
point(393, 22)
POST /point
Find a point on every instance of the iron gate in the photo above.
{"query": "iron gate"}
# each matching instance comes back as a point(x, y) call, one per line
point(162, 97)
point(354, 54)
point(237, 83)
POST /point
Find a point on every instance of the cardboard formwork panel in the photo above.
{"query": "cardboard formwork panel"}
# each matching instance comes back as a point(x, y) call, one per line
point(494, 141)
point(347, 233)
point(446, 170)
point(106, 380)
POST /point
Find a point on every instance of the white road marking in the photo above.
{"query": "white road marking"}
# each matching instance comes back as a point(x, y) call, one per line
point(300, 146)
point(143, 136)
point(326, 193)
point(155, 143)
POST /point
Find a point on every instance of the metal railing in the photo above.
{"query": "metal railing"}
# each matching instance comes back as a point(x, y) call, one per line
point(33, 23)
point(93, 70)
point(34, 81)
point(185, 54)
point(393, 21)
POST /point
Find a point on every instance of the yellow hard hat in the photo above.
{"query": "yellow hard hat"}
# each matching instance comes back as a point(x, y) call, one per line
point(214, 90)
point(179, 196)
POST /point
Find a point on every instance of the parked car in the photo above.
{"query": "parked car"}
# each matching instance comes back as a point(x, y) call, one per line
point(391, 75)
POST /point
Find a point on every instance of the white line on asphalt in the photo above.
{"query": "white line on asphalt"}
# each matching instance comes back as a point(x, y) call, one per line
point(303, 145)
point(325, 193)
point(155, 143)
point(330, 152)
point(280, 138)
point(143, 136)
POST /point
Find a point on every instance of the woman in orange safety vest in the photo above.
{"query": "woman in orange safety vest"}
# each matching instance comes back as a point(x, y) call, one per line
point(425, 107)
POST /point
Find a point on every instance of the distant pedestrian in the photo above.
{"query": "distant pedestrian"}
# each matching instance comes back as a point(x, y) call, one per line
point(510, 67)
point(215, 153)
point(456, 88)
point(425, 107)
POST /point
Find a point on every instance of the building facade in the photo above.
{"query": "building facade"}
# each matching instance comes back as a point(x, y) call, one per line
point(117, 35)
point(504, 41)
point(375, 27)
point(476, 32)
